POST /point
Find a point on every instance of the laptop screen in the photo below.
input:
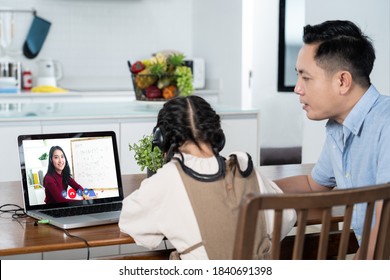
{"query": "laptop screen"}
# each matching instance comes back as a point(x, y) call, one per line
point(67, 169)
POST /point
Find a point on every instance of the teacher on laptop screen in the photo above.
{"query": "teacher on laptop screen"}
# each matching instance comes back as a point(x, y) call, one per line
point(59, 177)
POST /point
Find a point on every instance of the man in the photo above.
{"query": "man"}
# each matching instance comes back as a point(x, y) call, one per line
point(333, 83)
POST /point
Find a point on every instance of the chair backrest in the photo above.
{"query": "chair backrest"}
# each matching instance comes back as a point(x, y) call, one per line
point(303, 203)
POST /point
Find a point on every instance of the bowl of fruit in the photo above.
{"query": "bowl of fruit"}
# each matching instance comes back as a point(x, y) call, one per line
point(161, 77)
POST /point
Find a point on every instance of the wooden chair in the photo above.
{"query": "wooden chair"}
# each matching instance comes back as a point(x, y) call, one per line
point(303, 203)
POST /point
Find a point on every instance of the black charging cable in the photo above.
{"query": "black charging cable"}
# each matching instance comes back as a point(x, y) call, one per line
point(18, 213)
point(69, 235)
point(80, 238)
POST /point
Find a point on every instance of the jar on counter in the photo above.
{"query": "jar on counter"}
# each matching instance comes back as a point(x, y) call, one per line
point(27, 79)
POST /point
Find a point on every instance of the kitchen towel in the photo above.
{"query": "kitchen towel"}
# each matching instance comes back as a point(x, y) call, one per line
point(36, 37)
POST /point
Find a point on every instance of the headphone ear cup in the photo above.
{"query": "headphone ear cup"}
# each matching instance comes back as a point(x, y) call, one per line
point(158, 138)
point(221, 140)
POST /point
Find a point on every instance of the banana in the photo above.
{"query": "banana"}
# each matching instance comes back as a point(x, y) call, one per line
point(47, 89)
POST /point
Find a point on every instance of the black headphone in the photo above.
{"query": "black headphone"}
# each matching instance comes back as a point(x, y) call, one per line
point(204, 177)
point(160, 142)
point(221, 169)
point(159, 139)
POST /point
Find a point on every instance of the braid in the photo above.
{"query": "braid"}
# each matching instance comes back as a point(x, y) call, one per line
point(207, 122)
point(188, 119)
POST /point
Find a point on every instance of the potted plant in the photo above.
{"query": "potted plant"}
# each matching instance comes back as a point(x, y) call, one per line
point(144, 156)
point(44, 159)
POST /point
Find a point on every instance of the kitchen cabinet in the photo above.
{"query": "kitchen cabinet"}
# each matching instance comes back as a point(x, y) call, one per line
point(9, 163)
point(131, 132)
point(241, 131)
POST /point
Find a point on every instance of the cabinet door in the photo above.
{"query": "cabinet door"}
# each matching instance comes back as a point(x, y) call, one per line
point(241, 132)
point(9, 163)
point(80, 126)
point(132, 132)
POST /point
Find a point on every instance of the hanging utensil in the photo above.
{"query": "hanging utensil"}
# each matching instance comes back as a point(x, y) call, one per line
point(12, 48)
point(2, 50)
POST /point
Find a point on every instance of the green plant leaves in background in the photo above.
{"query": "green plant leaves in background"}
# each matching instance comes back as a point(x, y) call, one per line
point(143, 154)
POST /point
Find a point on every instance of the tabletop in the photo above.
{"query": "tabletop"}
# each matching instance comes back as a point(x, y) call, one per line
point(21, 236)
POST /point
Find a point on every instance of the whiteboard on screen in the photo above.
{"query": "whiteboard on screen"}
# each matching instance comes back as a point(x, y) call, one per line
point(94, 162)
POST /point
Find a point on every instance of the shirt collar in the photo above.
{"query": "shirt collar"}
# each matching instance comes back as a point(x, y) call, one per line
point(354, 120)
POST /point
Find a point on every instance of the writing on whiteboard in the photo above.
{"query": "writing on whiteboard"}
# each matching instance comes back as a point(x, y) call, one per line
point(94, 163)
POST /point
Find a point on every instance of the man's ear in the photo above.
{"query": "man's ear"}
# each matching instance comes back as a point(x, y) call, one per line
point(345, 81)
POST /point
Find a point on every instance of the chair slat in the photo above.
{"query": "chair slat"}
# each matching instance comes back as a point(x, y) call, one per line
point(324, 237)
point(345, 232)
point(276, 234)
point(382, 246)
point(300, 234)
point(366, 230)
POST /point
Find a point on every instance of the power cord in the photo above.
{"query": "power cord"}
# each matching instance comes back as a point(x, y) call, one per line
point(80, 238)
point(67, 234)
point(16, 210)
point(18, 213)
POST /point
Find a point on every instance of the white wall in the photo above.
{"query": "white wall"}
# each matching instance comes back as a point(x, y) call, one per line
point(281, 118)
point(217, 37)
point(94, 38)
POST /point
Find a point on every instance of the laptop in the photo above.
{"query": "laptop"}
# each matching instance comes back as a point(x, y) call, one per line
point(92, 160)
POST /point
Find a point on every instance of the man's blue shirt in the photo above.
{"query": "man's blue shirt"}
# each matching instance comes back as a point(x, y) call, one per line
point(357, 152)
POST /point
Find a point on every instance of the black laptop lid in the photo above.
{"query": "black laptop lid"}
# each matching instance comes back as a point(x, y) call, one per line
point(91, 158)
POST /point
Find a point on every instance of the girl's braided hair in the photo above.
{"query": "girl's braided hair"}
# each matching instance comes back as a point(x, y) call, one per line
point(189, 118)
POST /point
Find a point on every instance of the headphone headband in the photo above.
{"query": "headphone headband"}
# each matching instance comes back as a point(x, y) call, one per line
point(160, 141)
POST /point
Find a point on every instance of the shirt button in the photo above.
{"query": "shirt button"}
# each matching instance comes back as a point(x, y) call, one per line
point(347, 175)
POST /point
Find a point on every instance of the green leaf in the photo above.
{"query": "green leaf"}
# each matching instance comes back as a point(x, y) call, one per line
point(176, 59)
point(44, 156)
point(143, 154)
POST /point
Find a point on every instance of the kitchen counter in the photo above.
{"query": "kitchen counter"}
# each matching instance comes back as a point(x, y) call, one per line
point(40, 110)
point(70, 96)
point(28, 106)
point(98, 94)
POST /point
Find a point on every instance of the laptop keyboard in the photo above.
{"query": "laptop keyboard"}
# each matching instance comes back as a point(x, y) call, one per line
point(82, 210)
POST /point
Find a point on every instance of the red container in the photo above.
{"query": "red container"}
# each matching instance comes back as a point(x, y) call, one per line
point(27, 79)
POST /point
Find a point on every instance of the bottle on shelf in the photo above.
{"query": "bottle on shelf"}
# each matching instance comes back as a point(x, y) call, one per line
point(27, 79)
